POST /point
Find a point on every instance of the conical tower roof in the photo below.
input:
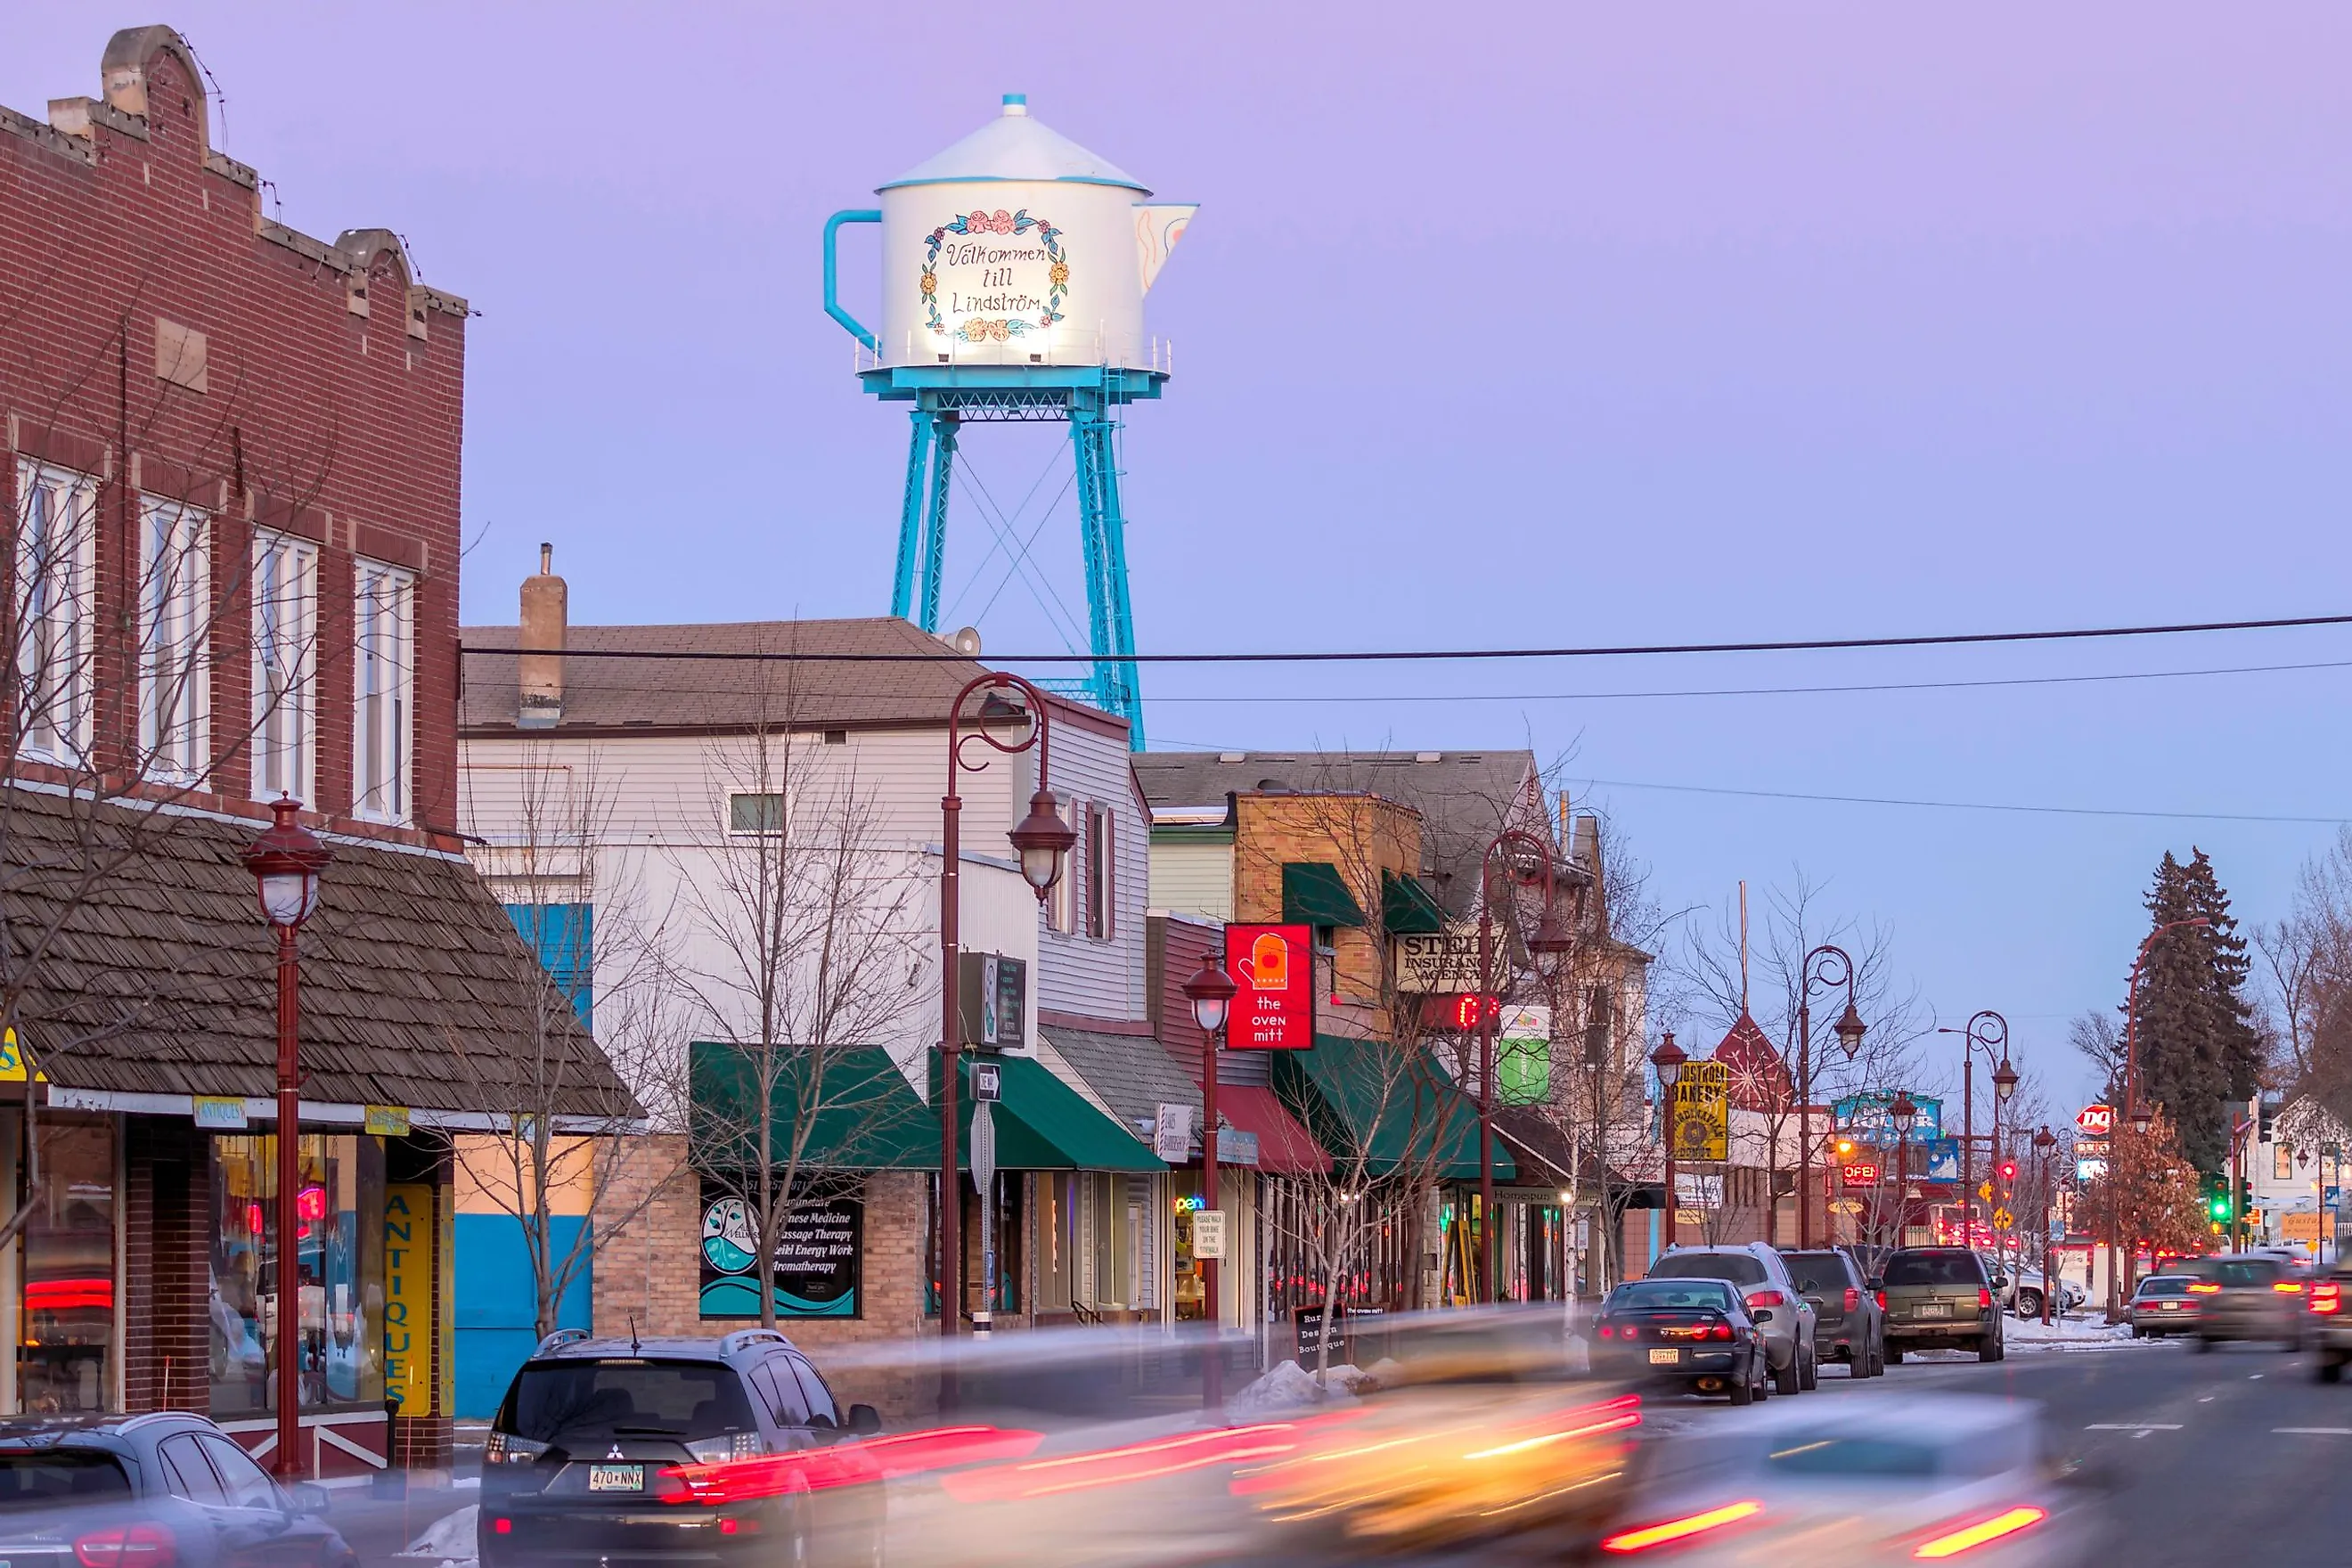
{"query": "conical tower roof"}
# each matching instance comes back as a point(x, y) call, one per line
point(1760, 1078)
point(1013, 146)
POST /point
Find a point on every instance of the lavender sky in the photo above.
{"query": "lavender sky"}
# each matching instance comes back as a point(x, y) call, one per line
point(1535, 323)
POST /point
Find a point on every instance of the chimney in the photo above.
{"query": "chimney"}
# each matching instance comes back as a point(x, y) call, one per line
point(544, 616)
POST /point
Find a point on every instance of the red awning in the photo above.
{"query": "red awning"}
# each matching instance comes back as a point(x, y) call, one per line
point(1284, 1147)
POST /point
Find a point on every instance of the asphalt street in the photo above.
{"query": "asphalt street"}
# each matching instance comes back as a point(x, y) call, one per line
point(2236, 1457)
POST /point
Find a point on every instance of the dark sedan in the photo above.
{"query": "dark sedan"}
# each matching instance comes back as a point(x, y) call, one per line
point(166, 1491)
point(1694, 1332)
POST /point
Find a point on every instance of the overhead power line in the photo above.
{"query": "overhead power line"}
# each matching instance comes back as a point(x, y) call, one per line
point(1968, 804)
point(1418, 655)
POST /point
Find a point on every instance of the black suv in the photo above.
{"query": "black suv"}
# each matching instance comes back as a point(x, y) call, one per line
point(1849, 1325)
point(166, 1491)
point(736, 1442)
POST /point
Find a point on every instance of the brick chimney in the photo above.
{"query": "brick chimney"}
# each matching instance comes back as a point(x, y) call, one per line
point(545, 614)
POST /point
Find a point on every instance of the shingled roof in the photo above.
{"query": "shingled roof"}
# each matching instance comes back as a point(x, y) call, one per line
point(701, 695)
point(1465, 798)
point(417, 990)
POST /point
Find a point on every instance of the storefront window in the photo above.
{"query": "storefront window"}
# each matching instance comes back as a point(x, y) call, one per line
point(65, 1361)
point(340, 1252)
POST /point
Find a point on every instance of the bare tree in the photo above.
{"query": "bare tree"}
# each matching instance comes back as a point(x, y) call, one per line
point(596, 959)
point(2098, 1040)
point(809, 955)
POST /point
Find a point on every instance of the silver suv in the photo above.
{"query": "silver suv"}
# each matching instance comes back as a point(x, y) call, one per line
point(1773, 1301)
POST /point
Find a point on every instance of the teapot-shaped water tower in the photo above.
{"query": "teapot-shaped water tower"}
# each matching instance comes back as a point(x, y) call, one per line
point(1013, 270)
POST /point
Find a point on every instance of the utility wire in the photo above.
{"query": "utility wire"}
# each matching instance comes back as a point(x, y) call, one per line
point(1414, 656)
point(1966, 804)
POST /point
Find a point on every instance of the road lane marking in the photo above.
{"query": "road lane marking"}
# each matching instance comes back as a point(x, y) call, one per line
point(2133, 1427)
point(2315, 1431)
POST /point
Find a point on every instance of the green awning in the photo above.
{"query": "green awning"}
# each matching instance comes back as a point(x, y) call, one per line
point(859, 1111)
point(1359, 1103)
point(1407, 907)
point(863, 1115)
point(1043, 1124)
point(1315, 894)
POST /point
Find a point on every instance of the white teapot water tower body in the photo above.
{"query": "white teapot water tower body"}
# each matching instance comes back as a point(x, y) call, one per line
point(1013, 270)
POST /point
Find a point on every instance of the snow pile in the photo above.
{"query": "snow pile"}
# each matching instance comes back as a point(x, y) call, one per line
point(2085, 1333)
point(449, 1542)
point(1287, 1385)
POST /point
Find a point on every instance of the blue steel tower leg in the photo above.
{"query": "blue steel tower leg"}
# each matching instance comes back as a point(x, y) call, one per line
point(1111, 622)
point(935, 533)
point(910, 519)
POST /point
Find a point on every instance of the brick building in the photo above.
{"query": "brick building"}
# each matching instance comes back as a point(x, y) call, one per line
point(232, 484)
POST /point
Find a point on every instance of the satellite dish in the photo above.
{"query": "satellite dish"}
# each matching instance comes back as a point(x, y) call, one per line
point(966, 642)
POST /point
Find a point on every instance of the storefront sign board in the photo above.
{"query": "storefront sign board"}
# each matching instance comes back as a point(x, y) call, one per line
point(1434, 961)
point(386, 1121)
point(1701, 1123)
point(814, 1273)
point(1171, 1134)
point(219, 1112)
point(408, 1230)
point(1275, 967)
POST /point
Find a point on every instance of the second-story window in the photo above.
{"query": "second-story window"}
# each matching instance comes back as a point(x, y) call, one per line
point(1101, 839)
point(382, 674)
point(755, 815)
point(1062, 898)
point(57, 536)
point(173, 673)
point(284, 665)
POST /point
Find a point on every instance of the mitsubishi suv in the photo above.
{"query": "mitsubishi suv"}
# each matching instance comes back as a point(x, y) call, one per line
point(736, 1442)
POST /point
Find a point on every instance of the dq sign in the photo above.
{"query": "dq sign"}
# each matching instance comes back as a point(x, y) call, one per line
point(2096, 1121)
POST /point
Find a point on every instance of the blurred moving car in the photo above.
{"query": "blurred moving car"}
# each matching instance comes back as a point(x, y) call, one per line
point(1876, 1479)
point(2246, 1295)
point(2327, 1327)
point(2162, 1306)
point(611, 1452)
point(1849, 1325)
point(1772, 1300)
point(167, 1490)
point(1940, 1298)
point(1695, 1333)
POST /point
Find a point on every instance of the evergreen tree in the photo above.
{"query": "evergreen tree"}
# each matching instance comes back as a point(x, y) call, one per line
point(2198, 1047)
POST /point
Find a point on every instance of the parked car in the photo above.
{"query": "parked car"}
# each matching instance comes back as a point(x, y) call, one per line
point(2163, 1306)
point(1940, 1298)
point(591, 1431)
point(2022, 1296)
point(1849, 1325)
point(1695, 1333)
point(2246, 1295)
point(169, 1490)
point(1770, 1296)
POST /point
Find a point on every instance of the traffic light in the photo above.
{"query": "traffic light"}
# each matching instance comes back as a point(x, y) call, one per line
point(2217, 1199)
point(2008, 1170)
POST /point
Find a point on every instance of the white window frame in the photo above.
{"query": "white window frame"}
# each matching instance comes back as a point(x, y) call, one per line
point(285, 665)
point(775, 831)
point(1099, 834)
point(384, 692)
point(55, 612)
point(174, 565)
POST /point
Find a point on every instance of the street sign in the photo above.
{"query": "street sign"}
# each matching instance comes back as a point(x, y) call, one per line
point(2002, 1219)
point(2098, 1120)
point(1984, 1191)
point(1209, 1234)
point(987, 1083)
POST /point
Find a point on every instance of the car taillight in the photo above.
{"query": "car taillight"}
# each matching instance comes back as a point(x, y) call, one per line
point(1984, 1300)
point(502, 1527)
point(2289, 1288)
point(2327, 1300)
point(1881, 1296)
point(126, 1546)
point(1999, 1526)
point(1668, 1531)
point(1767, 1298)
point(1608, 1331)
point(1720, 1332)
point(2204, 1287)
point(1852, 1300)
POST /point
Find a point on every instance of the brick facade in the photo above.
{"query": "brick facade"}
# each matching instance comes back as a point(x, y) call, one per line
point(330, 403)
point(167, 1171)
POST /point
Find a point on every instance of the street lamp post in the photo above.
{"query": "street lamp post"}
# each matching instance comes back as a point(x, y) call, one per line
point(1668, 1059)
point(286, 859)
point(1826, 968)
point(1902, 1112)
point(1042, 840)
point(1550, 940)
point(2044, 1143)
point(1987, 1031)
point(2117, 1284)
point(1211, 992)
